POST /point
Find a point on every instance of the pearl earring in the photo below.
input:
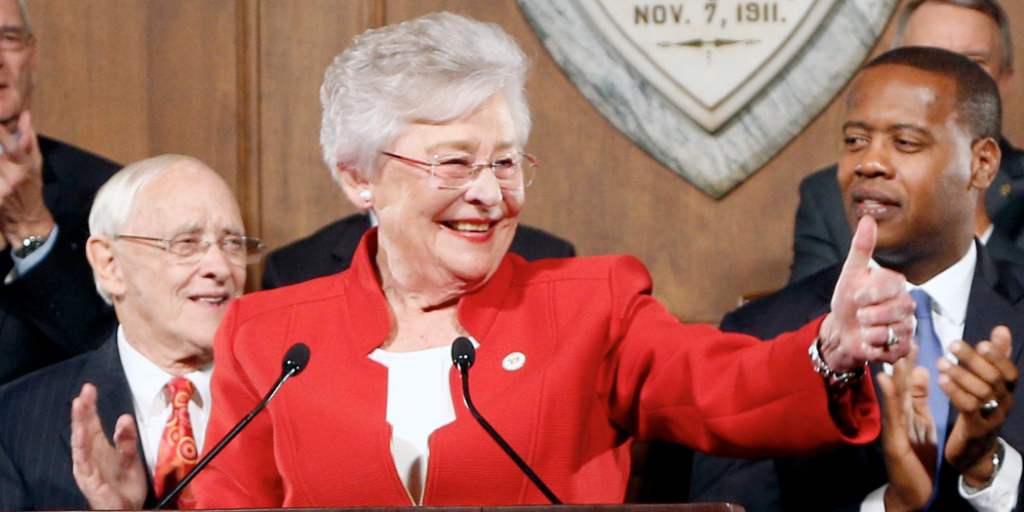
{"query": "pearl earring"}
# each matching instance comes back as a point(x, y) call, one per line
point(366, 195)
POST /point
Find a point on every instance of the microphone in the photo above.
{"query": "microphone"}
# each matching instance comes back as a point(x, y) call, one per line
point(295, 360)
point(463, 355)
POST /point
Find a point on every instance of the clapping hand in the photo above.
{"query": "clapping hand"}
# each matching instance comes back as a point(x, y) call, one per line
point(909, 437)
point(22, 209)
point(981, 388)
point(111, 478)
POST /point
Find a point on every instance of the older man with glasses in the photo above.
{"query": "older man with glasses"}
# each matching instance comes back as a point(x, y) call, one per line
point(168, 250)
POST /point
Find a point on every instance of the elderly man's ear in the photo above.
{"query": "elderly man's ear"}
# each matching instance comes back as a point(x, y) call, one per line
point(356, 188)
point(100, 252)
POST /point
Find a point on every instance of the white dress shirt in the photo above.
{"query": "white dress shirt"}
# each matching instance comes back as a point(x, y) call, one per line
point(949, 291)
point(152, 401)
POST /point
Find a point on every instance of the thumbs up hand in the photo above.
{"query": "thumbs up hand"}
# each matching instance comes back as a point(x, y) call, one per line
point(872, 318)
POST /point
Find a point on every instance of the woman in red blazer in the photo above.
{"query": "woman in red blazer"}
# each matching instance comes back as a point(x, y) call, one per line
point(424, 124)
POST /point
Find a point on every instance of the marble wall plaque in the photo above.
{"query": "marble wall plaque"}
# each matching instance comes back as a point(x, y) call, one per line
point(713, 89)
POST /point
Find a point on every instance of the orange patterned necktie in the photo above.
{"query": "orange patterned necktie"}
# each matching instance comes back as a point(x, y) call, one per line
point(178, 453)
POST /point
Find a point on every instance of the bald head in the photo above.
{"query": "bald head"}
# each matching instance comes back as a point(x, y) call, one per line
point(976, 29)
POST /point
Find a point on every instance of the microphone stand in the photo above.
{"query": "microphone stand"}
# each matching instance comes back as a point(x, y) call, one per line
point(292, 366)
point(464, 363)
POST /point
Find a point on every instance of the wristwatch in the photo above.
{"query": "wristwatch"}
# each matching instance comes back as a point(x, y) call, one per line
point(997, 462)
point(30, 245)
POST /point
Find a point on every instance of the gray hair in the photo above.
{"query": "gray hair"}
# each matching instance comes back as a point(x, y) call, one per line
point(23, 10)
point(990, 8)
point(115, 201)
point(431, 69)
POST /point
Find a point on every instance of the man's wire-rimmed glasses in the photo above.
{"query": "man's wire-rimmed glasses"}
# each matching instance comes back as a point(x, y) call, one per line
point(15, 38)
point(515, 170)
point(190, 247)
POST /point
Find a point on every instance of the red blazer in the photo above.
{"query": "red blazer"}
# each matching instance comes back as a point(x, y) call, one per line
point(605, 362)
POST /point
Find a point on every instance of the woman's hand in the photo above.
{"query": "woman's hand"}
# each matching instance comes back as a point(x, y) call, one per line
point(872, 317)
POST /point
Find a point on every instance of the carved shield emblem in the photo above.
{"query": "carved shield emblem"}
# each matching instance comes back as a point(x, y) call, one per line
point(713, 89)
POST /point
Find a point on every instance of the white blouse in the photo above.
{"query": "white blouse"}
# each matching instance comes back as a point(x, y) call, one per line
point(419, 402)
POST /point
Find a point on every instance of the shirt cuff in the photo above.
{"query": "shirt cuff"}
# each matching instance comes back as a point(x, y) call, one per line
point(23, 265)
point(1001, 496)
point(874, 502)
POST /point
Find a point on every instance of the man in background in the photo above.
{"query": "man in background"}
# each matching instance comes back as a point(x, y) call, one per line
point(49, 310)
point(920, 148)
point(979, 30)
point(169, 252)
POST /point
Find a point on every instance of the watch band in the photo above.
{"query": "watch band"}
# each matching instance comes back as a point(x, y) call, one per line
point(997, 462)
point(30, 245)
point(830, 375)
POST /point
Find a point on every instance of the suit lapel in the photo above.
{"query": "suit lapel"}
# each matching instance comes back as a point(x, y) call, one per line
point(824, 293)
point(993, 294)
point(1003, 197)
point(104, 371)
point(987, 307)
point(114, 398)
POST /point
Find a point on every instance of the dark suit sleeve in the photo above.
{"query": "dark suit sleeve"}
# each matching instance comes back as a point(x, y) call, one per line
point(56, 302)
point(762, 485)
point(330, 250)
point(320, 255)
point(271, 278)
point(326, 252)
point(730, 323)
point(1004, 198)
point(821, 236)
point(12, 486)
point(58, 296)
point(535, 244)
point(750, 483)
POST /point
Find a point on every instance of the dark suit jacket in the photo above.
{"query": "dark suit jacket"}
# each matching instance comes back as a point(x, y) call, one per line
point(822, 233)
point(330, 251)
point(35, 433)
point(53, 311)
point(841, 480)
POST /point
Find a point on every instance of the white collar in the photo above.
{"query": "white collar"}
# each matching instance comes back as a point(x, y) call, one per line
point(951, 288)
point(147, 380)
point(987, 235)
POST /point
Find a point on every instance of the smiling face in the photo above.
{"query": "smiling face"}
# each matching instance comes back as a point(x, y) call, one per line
point(16, 67)
point(439, 240)
point(908, 163)
point(171, 310)
point(968, 32)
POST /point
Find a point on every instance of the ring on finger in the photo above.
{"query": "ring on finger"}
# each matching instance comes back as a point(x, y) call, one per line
point(892, 339)
point(988, 407)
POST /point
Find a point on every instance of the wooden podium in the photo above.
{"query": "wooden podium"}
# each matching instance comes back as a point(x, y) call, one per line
point(681, 507)
point(675, 507)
